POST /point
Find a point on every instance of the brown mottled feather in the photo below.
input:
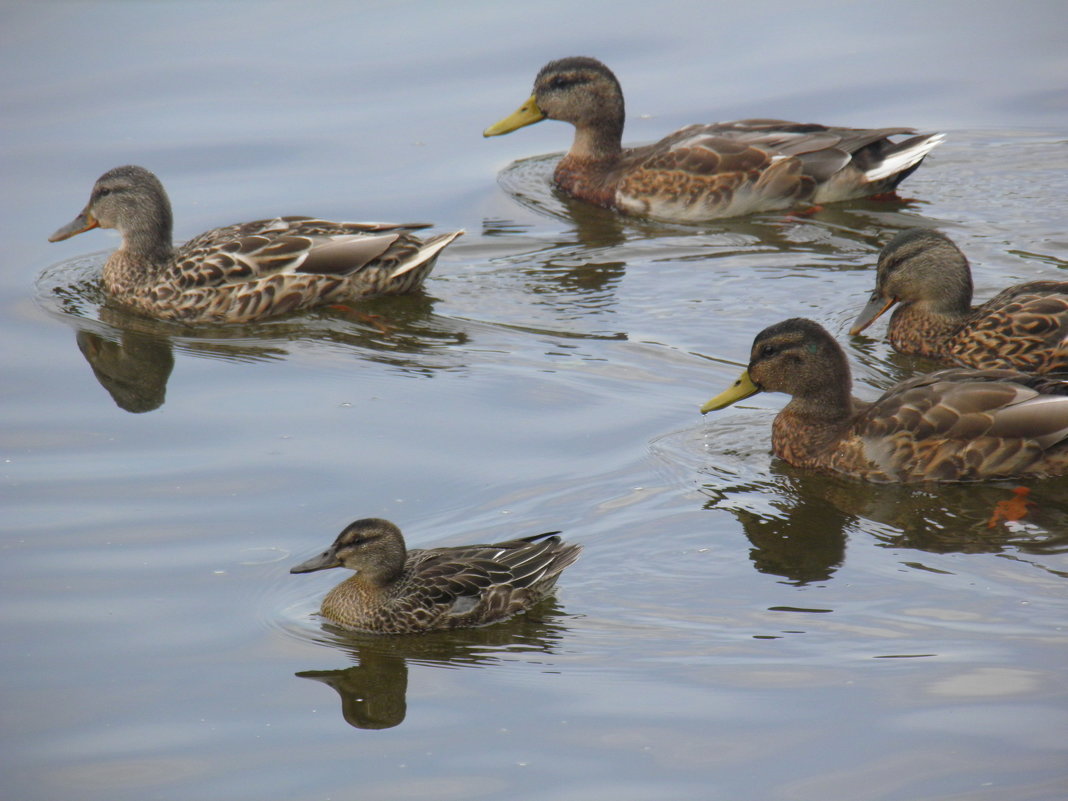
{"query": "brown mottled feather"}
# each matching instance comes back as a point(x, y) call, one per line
point(953, 425)
point(396, 591)
point(703, 172)
point(1024, 327)
point(246, 271)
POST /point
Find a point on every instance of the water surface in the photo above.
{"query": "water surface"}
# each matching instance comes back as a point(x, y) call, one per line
point(735, 628)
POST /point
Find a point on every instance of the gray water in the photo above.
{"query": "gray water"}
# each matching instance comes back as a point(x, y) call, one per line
point(735, 629)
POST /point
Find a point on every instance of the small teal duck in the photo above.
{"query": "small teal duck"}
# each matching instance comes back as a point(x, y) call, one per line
point(397, 591)
point(703, 172)
point(952, 425)
point(1024, 327)
point(247, 271)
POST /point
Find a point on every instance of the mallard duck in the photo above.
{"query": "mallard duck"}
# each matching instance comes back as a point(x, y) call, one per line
point(953, 425)
point(702, 172)
point(1024, 327)
point(396, 591)
point(247, 271)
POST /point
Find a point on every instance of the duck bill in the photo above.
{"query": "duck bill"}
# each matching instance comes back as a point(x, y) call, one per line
point(739, 390)
point(323, 561)
point(877, 304)
point(526, 114)
point(83, 222)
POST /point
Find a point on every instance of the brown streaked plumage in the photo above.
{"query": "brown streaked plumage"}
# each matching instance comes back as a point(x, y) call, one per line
point(396, 591)
point(702, 172)
point(953, 425)
point(247, 271)
point(1024, 327)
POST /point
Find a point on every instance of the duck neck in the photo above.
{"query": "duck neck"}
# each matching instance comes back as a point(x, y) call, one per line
point(145, 253)
point(590, 169)
point(819, 412)
point(807, 427)
point(922, 328)
point(379, 575)
point(149, 239)
point(598, 143)
point(831, 404)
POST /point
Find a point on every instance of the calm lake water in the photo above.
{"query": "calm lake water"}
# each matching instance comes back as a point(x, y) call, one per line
point(735, 629)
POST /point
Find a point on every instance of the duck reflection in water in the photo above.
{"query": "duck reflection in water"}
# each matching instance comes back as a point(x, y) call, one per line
point(796, 533)
point(961, 518)
point(134, 370)
point(133, 357)
point(802, 521)
point(572, 261)
point(373, 693)
point(584, 262)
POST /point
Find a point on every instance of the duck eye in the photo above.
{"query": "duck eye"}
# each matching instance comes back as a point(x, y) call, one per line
point(362, 540)
point(561, 82)
point(103, 191)
point(768, 350)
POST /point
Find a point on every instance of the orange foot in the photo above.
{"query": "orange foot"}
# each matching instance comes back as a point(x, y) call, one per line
point(1014, 508)
point(793, 215)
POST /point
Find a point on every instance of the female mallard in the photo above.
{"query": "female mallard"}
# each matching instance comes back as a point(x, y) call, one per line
point(403, 592)
point(701, 172)
point(246, 271)
point(953, 425)
point(1025, 327)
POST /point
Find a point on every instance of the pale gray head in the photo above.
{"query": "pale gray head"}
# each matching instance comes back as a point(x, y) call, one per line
point(133, 201)
point(582, 91)
point(578, 90)
point(798, 357)
point(921, 267)
point(924, 265)
point(371, 546)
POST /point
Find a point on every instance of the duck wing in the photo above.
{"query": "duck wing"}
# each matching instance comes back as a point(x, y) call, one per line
point(734, 168)
point(1024, 326)
point(474, 584)
point(247, 252)
point(968, 424)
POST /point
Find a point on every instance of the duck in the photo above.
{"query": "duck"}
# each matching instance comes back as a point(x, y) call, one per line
point(1024, 327)
point(704, 172)
point(247, 271)
point(401, 591)
point(958, 424)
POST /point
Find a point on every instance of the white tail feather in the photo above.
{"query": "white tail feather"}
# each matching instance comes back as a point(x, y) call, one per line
point(903, 159)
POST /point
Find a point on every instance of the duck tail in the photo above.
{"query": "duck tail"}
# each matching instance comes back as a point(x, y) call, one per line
point(898, 162)
point(426, 254)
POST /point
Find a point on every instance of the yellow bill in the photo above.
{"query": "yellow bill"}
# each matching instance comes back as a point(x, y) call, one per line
point(526, 114)
point(739, 390)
